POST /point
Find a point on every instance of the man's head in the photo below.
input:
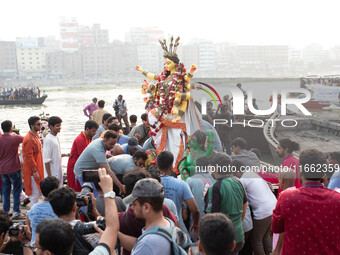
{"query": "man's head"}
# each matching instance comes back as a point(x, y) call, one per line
point(6, 126)
point(49, 184)
point(238, 144)
point(54, 236)
point(114, 128)
point(147, 198)
point(133, 119)
point(112, 120)
point(34, 123)
point(109, 140)
point(198, 139)
point(238, 167)
point(286, 147)
point(216, 235)
point(63, 201)
point(238, 85)
point(101, 103)
point(334, 158)
point(54, 123)
point(139, 158)
point(257, 152)
point(106, 116)
point(90, 128)
point(144, 118)
point(286, 178)
point(94, 100)
point(209, 106)
point(132, 177)
point(309, 160)
point(132, 145)
point(165, 160)
point(120, 97)
point(220, 165)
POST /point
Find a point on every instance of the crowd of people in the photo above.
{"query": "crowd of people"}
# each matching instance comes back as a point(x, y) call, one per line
point(227, 207)
point(19, 93)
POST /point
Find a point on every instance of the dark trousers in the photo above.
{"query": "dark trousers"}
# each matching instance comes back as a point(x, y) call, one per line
point(8, 180)
point(126, 122)
point(260, 239)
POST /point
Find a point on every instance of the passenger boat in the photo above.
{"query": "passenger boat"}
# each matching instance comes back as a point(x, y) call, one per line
point(325, 90)
point(38, 100)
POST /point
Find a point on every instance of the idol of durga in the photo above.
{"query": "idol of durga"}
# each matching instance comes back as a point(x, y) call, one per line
point(171, 110)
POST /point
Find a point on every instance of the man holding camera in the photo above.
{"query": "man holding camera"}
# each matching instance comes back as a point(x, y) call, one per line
point(120, 108)
point(10, 168)
point(55, 236)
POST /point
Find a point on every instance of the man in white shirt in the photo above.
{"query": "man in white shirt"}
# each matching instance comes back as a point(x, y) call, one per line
point(262, 202)
point(51, 151)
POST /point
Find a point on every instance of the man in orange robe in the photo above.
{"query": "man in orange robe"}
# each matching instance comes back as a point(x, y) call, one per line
point(33, 168)
point(78, 146)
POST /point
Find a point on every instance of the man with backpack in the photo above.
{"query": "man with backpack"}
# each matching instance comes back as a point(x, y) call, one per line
point(160, 235)
point(120, 108)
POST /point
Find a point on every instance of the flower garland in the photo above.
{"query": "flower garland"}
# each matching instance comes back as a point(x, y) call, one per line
point(164, 99)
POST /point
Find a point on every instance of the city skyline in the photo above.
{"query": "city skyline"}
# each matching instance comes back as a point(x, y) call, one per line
point(263, 22)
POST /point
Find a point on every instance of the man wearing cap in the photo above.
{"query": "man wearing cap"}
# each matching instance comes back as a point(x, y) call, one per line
point(146, 201)
point(131, 146)
point(89, 109)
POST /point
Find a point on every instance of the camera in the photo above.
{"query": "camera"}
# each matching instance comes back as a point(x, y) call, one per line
point(14, 229)
point(116, 109)
point(88, 228)
point(80, 199)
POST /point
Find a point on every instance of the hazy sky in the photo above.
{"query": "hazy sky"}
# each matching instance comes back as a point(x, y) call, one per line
point(293, 22)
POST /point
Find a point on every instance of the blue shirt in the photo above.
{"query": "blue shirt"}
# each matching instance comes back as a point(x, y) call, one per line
point(121, 163)
point(93, 155)
point(38, 213)
point(100, 130)
point(334, 182)
point(122, 139)
point(125, 148)
point(177, 190)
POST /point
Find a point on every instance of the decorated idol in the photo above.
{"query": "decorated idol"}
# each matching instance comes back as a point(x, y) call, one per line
point(171, 112)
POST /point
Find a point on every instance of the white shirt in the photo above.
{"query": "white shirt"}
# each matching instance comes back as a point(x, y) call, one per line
point(260, 197)
point(52, 155)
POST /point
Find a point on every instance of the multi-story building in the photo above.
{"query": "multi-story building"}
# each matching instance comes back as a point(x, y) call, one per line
point(8, 60)
point(138, 35)
point(116, 59)
point(73, 36)
point(69, 34)
point(31, 61)
point(63, 64)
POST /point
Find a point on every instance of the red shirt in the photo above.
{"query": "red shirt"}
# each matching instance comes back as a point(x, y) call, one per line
point(309, 217)
point(9, 158)
point(78, 146)
point(290, 162)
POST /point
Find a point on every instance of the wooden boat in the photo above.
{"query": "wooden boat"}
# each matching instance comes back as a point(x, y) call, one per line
point(38, 100)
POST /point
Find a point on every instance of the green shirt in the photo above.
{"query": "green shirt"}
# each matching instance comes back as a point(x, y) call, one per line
point(227, 196)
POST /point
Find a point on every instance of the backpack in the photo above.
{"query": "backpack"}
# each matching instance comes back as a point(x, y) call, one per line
point(80, 246)
point(178, 240)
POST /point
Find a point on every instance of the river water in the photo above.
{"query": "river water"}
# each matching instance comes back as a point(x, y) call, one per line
point(68, 103)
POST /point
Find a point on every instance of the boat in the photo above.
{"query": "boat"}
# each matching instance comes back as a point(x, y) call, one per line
point(324, 90)
point(38, 100)
point(332, 107)
point(309, 133)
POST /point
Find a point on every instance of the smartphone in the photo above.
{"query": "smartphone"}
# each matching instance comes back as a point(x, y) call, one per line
point(90, 175)
point(194, 249)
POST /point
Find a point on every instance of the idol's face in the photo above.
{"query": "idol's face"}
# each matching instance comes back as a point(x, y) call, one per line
point(169, 65)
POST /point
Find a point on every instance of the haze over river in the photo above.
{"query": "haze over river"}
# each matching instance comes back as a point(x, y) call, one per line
point(68, 103)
